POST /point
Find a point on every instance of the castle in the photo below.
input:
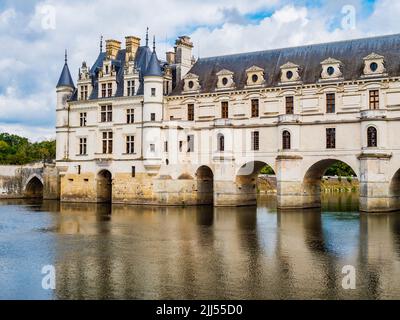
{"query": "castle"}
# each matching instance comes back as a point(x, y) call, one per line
point(138, 129)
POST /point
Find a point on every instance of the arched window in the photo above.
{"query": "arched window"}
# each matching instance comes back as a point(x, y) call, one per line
point(372, 136)
point(221, 142)
point(286, 140)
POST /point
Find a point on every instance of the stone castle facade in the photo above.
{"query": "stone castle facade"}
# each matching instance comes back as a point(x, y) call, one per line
point(138, 129)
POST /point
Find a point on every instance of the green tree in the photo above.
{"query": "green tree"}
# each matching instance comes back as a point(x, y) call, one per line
point(19, 150)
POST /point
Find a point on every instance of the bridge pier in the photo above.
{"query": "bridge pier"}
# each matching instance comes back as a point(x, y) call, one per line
point(376, 192)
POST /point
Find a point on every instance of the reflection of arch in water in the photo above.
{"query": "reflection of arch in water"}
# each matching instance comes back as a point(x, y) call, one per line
point(34, 187)
point(205, 185)
point(312, 182)
point(104, 186)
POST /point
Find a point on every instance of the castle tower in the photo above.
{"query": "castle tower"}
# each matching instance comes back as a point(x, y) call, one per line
point(65, 89)
point(152, 114)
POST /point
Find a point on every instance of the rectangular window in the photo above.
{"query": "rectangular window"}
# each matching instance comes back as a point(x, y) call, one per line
point(107, 142)
point(133, 172)
point(254, 108)
point(106, 113)
point(82, 119)
point(166, 146)
point(289, 105)
point(374, 99)
point(82, 146)
point(224, 110)
point(190, 112)
point(103, 90)
point(130, 144)
point(153, 117)
point(84, 92)
point(130, 88)
point(153, 92)
point(130, 115)
point(330, 103)
point(255, 140)
point(180, 146)
point(152, 147)
point(190, 143)
point(109, 90)
point(330, 138)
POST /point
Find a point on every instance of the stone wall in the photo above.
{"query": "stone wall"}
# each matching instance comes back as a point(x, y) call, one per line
point(13, 179)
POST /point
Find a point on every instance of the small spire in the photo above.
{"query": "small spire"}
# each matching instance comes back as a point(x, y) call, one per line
point(154, 43)
point(66, 56)
point(101, 43)
point(147, 37)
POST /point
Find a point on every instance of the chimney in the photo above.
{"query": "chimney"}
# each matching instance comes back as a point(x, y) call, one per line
point(132, 45)
point(170, 57)
point(183, 56)
point(112, 48)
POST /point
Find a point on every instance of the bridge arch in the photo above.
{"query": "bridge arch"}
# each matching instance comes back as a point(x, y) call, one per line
point(246, 180)
point(104, 186)
point(311, 185)
point(394, 191)
point(34, 187)
point(205, 185)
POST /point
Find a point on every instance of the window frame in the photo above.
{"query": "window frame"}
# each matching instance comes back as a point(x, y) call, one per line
point(330, 102)
point(289, 105)
point(255, 108)
point(330, 138)
point(286, 140)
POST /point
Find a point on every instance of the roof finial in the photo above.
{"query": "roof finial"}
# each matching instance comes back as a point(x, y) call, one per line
point(66, 56)
point(101, 43)
point(154, 43)
point(147, 37)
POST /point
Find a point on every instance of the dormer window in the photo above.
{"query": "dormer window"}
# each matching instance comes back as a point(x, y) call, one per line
point(255, 76)
point(225, 79)
point(107, 69)
point(374, 65)
point(331, 70)
point(191, 83)
point(290, 73)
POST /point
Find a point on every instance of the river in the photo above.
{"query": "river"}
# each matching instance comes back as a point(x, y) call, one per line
point(129, 252)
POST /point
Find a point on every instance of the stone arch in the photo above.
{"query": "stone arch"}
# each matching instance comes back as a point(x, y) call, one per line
point(104, 186)
point(311, 186)
point(205, 185)
point(34, 187)
point(394, 191)
point(246, 180)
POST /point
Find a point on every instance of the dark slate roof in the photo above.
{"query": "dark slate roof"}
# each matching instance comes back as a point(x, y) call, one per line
point(142, 60)
point(65, 78)
point(309, 58)
point(154, 69)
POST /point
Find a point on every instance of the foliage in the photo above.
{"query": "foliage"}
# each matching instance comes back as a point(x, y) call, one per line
point(267, 170)
point(18, 150)
point(340, 169)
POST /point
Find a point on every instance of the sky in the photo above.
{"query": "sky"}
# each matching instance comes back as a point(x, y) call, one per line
point(34, 35)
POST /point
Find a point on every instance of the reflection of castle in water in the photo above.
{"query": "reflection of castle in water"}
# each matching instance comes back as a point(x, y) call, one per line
point(204, 252)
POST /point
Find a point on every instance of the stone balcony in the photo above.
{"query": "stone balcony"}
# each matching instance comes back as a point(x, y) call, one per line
point(223, 122)
point(289, 118)
point(373, 114)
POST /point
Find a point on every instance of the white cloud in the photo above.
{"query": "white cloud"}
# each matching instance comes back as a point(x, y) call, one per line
point(32, 60)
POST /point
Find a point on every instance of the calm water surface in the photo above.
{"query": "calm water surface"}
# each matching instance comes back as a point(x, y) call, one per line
point(197, 253)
